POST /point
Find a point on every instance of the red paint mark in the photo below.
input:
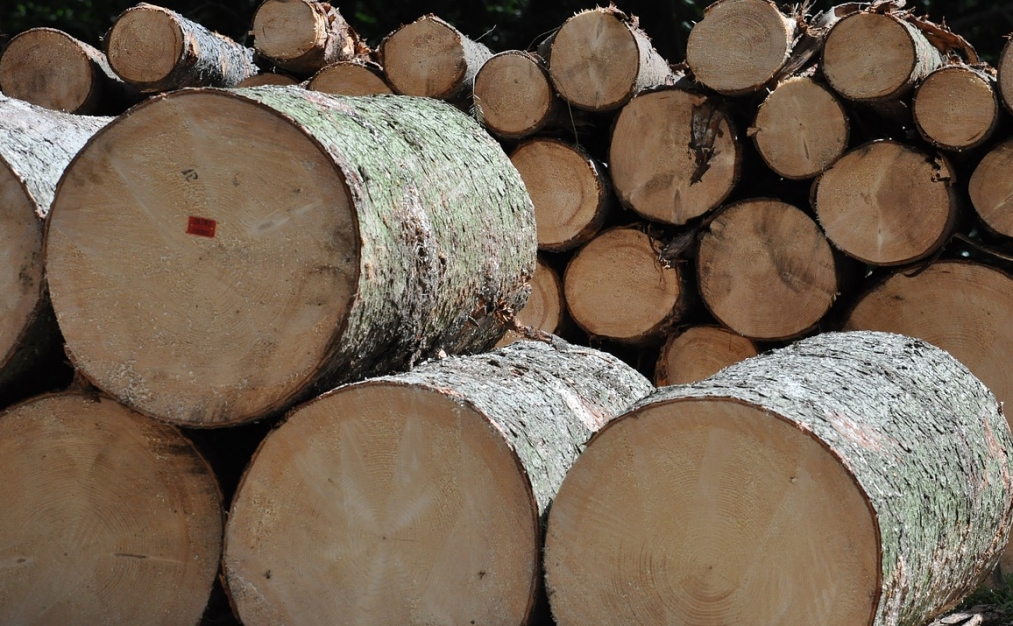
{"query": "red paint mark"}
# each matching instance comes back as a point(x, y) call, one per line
point(201, 226)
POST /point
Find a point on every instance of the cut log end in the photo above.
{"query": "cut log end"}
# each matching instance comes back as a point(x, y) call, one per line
point(570, 193)
point(800, 129)
point(886, 203)
point(739, 46)
point(1004, 75)
point(285, 30)
point(430, 516)
point(350, 78)
point(545, 308)
point(956, 108)
point(991, 189)
point(109, 517)
point(699, 352)
point(49, 68)
point(673, 156)
point(21, 273)
point(267, 78)
point(513, 94)
point(145, 45)
point(617, 287)
point(765, 270)
point(425, 58)
point(733, 509)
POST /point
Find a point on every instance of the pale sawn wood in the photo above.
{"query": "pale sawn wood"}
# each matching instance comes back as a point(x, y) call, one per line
point(350, 78)
point(991, 189)
point(302, 36)
point(956, 107)
point(698, 352)
point(514, 97)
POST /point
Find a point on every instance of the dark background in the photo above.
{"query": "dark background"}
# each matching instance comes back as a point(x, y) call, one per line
point(500, 24)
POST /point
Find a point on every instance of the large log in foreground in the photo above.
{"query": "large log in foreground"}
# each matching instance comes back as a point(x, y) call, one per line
point(35, 146)
point(849, 479)
point(415, 499)
point(214, 252)
point(108, 517)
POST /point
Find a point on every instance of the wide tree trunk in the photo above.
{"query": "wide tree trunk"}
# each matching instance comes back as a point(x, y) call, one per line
point(956, 107)
point(599, 59)
point(617, 288)
point(350, 78)
point(850, 479)
point(417, 498)
point(570, 191)
point(108, 517)
point(800, 129)
point(155, 49)
point(698, 352)
point(36, 145)
point(214, 253)
point(674, 155)
point(886, 203)
point(302, 36)
point(51, 69)
point(514, 97)
point(765, 270)
point(429, 57)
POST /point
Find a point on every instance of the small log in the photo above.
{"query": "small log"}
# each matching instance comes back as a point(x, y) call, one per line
point(599, 59)
point(872, 57)
point(36, 145)
point(569, 189)
point(433, 486)
point(673, 156)
point(350, 78)
point(885, 203)
point(698, 352)
point(429, 57)
point(800, 129)
point(617, 287)
point(991, 189)
point(155, 49)
point(765, 270)
point(514, 97)
point(740, 46)
point(1004, 75)
point(302, 36)
point(108, 517)
point(956, 107)
point(216, 252)
point(851, 478)
point(267, 78)
point(49, 68)
point(546, 306)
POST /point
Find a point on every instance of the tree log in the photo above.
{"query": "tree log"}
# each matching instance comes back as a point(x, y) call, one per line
point(991, 189)
point(546, 306)
point(765, 270)
point(673, 156)
point(849, 479)
point(800, 129)
point(956, 107)
point(214, 253)
point(570, 191)
point(1004, 75)
point(740, 46)
point(514, 97)
point(599, 59)
point(885, 203)
point(108, 517)
point(302, 36)
point(415, 499)
point(155, 49)
point(51, 69)
point(871, 57)
point(268, 78)
point(350, 78)
point(36, 145)
point(429, 57)
point(698, 352)
point(617, 287)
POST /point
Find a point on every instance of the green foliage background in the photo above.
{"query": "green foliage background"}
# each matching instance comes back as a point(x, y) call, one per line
point(500, 24)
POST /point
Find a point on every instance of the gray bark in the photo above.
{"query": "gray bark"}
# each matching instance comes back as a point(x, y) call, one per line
point(924, 439)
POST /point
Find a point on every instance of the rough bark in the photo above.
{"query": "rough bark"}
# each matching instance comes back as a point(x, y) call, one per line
point(51, 69)
point(991, 189)
point(155, 49)
point(303, 36)
point(431, 58)
point(450, 468)
point(698, 352)
point(898, 435)
point(109, 517)
point(350, 78)
point(740, 46)
point(36, 145)
point(514, 97)
point(381, 231)
point(956, 107)
point(599, 59)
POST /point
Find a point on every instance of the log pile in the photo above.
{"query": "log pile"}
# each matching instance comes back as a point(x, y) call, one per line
point(216, 256)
